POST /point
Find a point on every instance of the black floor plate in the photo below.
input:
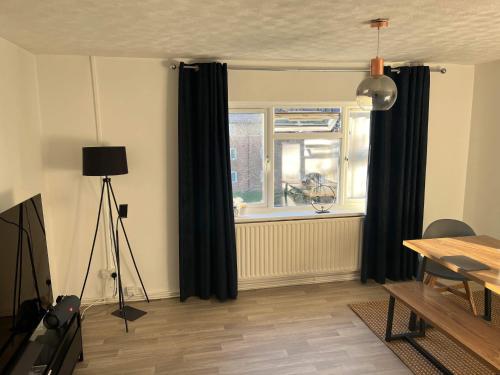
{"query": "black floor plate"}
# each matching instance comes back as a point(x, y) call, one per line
point(130, 313)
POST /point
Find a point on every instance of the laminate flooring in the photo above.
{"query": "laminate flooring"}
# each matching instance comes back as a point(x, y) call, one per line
point(306, 329)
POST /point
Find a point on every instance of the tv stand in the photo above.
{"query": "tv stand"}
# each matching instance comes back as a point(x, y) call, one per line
point(51, 351)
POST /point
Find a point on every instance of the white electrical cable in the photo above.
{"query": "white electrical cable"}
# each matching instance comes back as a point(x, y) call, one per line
point(96, 101)
point(82, 315)
point(108, 242)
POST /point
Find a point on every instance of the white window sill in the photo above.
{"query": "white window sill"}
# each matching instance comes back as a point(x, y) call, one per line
point(295, 215)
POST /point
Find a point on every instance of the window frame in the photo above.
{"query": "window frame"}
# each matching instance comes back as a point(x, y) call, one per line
point(351, 201)
point(265, 186)
point(270, 136)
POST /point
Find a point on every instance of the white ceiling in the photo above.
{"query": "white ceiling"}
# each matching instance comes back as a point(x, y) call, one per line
point(461, 31)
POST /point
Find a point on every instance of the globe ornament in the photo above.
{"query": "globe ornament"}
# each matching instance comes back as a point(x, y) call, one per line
point(323, 197)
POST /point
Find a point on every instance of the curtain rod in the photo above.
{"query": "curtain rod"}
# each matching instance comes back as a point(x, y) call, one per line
point(434, 69)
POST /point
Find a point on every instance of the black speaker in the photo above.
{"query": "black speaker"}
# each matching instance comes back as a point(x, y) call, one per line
point(62, 312)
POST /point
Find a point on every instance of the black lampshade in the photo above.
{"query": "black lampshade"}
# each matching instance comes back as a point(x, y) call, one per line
point(104, 161)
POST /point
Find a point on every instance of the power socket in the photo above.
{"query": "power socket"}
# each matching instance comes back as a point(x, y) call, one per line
point(129, 291)
point(132, 291)
point(106, 274)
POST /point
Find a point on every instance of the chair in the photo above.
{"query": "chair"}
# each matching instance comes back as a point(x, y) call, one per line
point(434, 271)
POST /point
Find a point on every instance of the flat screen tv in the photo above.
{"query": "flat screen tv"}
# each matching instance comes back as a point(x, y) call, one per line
point(25, 287)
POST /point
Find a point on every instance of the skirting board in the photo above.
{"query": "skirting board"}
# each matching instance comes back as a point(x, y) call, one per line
point(260, 283)
point(152, 296)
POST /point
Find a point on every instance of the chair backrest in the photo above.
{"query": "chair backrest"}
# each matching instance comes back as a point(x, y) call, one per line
point(448, 228)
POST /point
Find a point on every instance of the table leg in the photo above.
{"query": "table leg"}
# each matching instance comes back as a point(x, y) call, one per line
point(487, 304)
point(421, 268)
point(412, 325)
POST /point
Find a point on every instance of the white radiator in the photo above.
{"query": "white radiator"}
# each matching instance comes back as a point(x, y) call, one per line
point(298, 251)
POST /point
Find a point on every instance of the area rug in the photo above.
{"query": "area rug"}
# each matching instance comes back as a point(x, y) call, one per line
point(459, 361)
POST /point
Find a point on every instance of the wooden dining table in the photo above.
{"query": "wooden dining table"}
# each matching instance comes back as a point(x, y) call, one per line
point(483, 249)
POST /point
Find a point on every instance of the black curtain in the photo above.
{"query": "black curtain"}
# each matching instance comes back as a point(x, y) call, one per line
point(396, 179)
point(207, 245)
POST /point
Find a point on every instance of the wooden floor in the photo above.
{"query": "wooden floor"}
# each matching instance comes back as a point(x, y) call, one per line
point(294, 330)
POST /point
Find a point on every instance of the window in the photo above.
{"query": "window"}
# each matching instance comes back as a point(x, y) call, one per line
point(358, 143)
point(299, 165)
point(281, 161)
point(307, 120)
point(246, 132)
point(234, 177)
point(307, 151)
point(233, 153)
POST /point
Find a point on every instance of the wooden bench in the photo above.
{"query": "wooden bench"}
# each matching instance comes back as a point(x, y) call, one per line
point(471, 333)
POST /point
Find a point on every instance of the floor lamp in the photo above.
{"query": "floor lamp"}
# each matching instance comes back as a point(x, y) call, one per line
point(105, 161)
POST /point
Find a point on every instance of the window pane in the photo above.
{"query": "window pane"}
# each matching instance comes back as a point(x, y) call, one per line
point(307, 120)
point(357, 167)
point(233, 153)
point(246, 131)
point(300, 164)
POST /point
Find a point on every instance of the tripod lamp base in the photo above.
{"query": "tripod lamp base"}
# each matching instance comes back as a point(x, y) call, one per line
point(129, 313)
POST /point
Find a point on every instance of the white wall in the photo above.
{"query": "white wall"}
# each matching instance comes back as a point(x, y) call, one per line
point(138, 105)
point(482, 199)
point(134, 98)
point(20, 160)
point(447, 149)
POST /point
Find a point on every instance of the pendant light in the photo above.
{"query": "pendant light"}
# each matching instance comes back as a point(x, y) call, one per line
point(377, 92)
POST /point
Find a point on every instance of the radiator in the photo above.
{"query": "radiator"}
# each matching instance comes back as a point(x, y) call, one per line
point(298, 251)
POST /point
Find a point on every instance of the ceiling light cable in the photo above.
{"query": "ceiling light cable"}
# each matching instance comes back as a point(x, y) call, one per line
point(378, 40)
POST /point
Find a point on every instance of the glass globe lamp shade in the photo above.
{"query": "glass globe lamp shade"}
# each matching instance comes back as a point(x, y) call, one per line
point(376, 93)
